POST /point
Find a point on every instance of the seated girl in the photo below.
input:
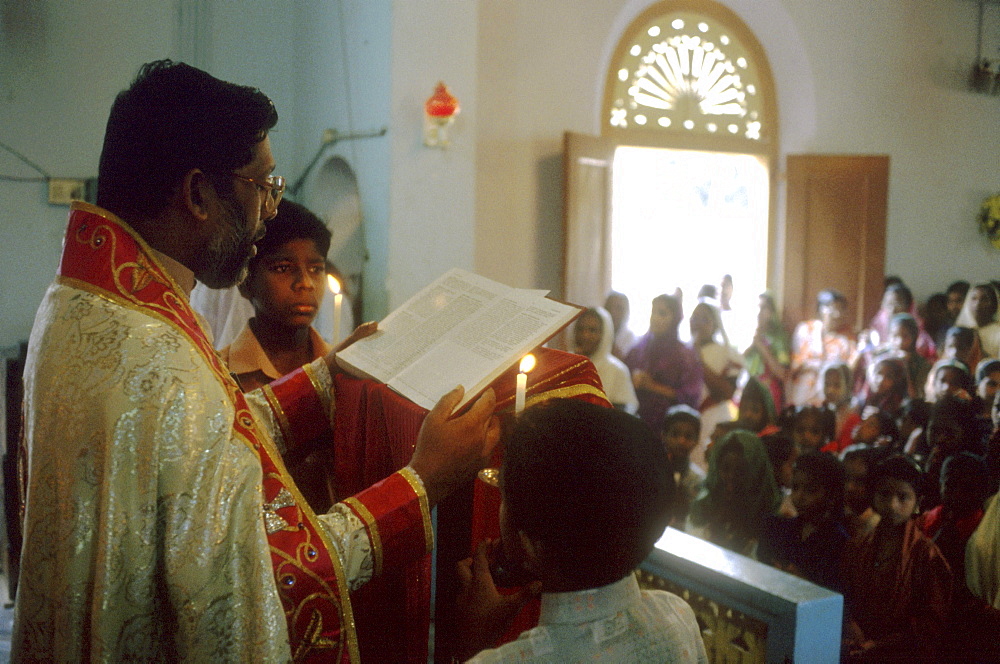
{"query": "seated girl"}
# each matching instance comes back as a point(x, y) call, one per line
point(781, 452)
point(592, 335)
point(887, 385)
point(739, 493)
point(859, 516)
point(897, 584)
point(817, 342)
point(811, 428)
point(811, 545)
point(837, 399)
point(664, 370)
point(680, 434)
point(903, 331)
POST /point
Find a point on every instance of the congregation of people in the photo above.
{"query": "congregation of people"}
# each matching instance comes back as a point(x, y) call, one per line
point(863, 461)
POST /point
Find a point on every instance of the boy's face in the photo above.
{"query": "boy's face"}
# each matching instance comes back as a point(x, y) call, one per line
point(982, 305)
point(882, 380)
point(808, 432)
point(808, 496)
point(955, 302)
point(948, 380)
point(895, 501)
point(680, 438)
point(287, 284)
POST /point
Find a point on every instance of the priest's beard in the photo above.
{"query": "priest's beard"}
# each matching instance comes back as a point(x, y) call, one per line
point(229, 252)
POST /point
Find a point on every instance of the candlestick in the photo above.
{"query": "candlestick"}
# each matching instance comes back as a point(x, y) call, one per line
point(527, 364)
point(338, 301)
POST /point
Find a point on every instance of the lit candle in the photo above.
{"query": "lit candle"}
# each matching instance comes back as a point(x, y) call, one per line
point(527, 364)
point(338, 301)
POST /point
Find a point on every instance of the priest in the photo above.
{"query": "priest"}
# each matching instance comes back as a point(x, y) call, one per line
point(159, 520)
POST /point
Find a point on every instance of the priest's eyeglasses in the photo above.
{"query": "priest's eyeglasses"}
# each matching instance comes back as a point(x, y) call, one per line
point(273, 187)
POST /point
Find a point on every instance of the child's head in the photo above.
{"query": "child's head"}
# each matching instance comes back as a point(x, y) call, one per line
point(888, 377)
point(877, 428)
point(680, 432)
point(756, 409)
point(897, 299)
point(589, 331)
point(767, 312)
point(956, 297)
point(951, 424)
point(858, 461)
point(812, 428)
point(666, 315)
point(982, 304)
point(963, 483)
point(915, 415)
point(705, 323)
point(287, 276)
point(988, 379)
point(781, 452)
point(951, 377)
point(836, 379)
point(903, 332)
point(895, 488)
point(958, 343)
point(588, 487)
point(818, 487)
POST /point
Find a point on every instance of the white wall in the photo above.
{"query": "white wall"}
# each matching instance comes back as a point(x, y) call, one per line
point(882, 76)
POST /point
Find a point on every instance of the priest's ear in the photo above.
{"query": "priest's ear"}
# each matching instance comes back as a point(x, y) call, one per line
point(195, 193)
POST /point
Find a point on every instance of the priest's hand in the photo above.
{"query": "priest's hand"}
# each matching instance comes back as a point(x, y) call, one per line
point(482, 614)
point(451, 450)
point(360, 332)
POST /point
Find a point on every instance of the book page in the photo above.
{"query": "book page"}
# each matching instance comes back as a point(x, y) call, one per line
point(463, 329)
point(481, 350)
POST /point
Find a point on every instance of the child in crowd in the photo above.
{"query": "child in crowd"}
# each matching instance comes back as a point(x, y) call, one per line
point(769, 355)
point(680, 434)
point(592, 336)
point(720, 367)
point(837, 397)
point(962, 344)
point(739, 493)
point(951, 377)
point(897, 584)
point(951, 430)
point(811, 545)
point(887, 385)
point(877, 429)
point(585, 496)
point(285, 284)
point(756, 411)
point(859, 517)
point(811, 428)
point(664, 370)
point(903, 332)
point(617, 305)
point(817, 342)
point(987, 384)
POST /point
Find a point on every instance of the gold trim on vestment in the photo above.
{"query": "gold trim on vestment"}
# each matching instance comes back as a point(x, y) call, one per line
point(372, 526)
point(417, 484)
point(279, 414)
point(325, 394)
point(567, 392)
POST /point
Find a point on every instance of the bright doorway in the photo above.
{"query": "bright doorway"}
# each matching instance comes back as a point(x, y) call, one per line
point(684, 218)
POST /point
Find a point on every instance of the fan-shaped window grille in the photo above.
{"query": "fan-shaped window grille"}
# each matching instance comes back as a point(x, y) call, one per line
point(686, 71)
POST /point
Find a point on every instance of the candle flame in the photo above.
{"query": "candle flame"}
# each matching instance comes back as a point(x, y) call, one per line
point(333, 284)
point(527, 363)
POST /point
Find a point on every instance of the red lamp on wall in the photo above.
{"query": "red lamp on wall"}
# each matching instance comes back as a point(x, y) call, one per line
point(440, 110)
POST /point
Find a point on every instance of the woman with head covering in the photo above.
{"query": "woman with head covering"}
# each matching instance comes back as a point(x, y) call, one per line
point(593, 335)
point(739, 493)
point(980, 312)
point(769, 355)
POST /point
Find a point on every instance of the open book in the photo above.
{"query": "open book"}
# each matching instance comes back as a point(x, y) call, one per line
point(463, 329)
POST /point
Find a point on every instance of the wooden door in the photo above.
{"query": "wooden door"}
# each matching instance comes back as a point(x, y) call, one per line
point(834, 233)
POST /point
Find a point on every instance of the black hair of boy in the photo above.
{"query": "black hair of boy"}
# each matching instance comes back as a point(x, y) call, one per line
point(897, 467)
point(681, 413)
point(960, 287)
point(779, 448)
point(591, 484)
point(292, 222)
point(827, 471)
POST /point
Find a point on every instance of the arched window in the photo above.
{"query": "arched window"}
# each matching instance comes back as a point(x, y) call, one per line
point(691, 67)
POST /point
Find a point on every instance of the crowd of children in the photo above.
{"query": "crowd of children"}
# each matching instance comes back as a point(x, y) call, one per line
point(862, 462)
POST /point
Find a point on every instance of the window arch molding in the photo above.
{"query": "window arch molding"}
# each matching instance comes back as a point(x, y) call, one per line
point(636, 44)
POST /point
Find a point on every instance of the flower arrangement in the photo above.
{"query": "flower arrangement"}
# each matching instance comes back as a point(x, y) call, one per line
point(989, 219)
